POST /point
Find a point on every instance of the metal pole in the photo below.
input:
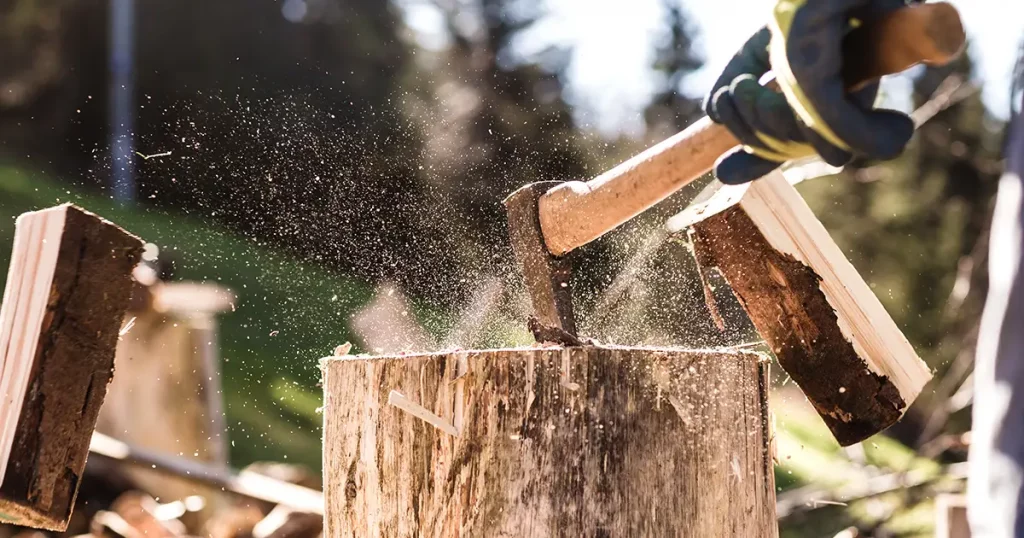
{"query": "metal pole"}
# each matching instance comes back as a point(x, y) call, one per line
point(121, 103)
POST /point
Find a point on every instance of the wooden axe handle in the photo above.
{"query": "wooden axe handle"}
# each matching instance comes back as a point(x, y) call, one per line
point(576, 213)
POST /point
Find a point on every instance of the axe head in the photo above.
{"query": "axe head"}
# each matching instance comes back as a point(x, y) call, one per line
point(547, 277)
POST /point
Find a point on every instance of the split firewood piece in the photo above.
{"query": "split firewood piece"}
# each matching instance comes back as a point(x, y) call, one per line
point(68, 287)
point(826, 327)
point(247, 484)
point(106, 524)
point(141, 512)
point(235, 522)
point(553, 441)
point(285, 522)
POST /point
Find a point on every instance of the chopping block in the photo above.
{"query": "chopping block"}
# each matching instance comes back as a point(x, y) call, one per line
point(548, 441)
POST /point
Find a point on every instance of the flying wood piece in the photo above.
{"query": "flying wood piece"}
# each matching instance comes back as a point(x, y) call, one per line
point(829, 331)
point(68, 287)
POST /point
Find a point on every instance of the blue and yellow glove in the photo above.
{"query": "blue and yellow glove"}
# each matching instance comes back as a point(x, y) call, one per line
point(813, 114)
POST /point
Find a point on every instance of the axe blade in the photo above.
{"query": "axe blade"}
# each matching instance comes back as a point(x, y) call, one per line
point(547, 276)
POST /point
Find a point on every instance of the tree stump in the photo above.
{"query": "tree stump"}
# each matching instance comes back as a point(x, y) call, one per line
point(166, 395)
point(583, 441)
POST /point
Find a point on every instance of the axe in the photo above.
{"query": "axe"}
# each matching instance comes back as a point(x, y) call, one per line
point(548, 220)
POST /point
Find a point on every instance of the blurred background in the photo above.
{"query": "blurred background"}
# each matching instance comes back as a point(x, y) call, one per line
point(315, 172)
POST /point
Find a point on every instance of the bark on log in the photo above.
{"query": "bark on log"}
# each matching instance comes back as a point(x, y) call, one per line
point(585, 441)
point(825, 325)
point(68, 287)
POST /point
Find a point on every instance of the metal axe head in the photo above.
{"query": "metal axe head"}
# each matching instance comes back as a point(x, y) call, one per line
point(547, 277)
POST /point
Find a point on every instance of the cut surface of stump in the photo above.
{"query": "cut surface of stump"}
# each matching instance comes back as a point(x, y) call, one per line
point(68, 287)
point(548, 441)
point(826, 327)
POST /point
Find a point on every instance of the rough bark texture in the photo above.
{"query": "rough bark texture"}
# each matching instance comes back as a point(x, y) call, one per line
point(783, 298)
point(73, 364)
point(585, 441)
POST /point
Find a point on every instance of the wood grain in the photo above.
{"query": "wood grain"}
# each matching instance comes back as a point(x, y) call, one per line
point(585, 441)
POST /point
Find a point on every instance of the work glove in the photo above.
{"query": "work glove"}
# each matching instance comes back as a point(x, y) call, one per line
point(813, 114)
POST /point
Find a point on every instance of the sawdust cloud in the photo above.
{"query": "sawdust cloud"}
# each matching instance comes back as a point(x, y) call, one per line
point(313, 189)
point(281, 142)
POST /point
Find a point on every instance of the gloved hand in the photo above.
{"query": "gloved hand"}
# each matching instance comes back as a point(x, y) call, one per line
point(813, 114)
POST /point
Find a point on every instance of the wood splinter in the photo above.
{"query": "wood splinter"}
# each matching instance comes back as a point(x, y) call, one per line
point(396, 399)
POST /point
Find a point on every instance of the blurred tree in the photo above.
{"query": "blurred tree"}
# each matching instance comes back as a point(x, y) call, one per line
point(39, 90)
point(670, 109)
point(493, 121)
point(658, 296)
point(276, 116)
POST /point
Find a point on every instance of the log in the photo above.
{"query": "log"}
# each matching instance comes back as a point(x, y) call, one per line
point(167, 392)
point(548, 441)
point(245, 484)
point(826, 327)
point(68, 286)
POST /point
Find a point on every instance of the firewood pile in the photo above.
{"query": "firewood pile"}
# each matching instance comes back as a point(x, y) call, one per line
point(111, 505)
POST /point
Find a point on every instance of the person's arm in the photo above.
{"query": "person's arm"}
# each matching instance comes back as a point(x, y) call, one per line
point(813, 114)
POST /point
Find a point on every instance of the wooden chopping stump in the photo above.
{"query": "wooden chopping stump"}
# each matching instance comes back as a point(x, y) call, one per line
point(585, 441)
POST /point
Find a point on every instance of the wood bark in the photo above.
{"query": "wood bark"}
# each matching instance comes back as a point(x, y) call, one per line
point(583, 441)
point(825, 325)
point(81, 291)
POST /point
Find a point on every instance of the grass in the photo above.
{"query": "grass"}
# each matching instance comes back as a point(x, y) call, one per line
point(289, 314)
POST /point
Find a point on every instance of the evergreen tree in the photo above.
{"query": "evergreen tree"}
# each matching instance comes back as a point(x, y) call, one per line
point(670, 110)
point(658, 296)
point(494, 121)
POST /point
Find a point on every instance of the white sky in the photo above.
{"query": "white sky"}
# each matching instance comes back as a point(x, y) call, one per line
point(610, 79)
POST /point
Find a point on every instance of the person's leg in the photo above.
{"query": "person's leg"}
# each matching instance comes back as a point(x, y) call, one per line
point(996, 503)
